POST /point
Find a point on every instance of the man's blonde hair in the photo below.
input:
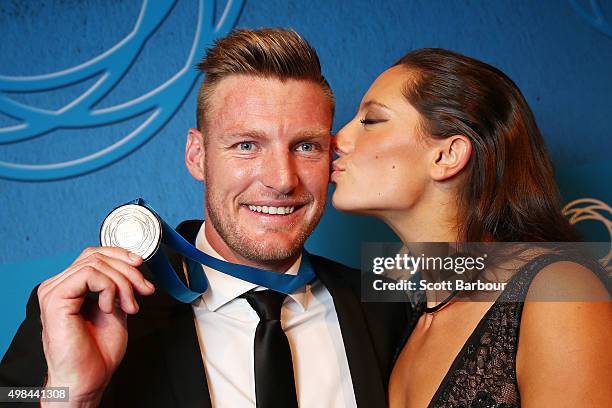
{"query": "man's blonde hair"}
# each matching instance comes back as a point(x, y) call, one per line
point(268, 53)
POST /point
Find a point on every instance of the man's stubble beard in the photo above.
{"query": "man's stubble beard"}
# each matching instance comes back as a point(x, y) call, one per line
point(242, 244)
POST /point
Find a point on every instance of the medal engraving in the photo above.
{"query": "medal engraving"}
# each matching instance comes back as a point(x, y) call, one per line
point(132, 227)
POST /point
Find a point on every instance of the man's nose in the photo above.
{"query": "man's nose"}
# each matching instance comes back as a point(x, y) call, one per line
point(280, 172)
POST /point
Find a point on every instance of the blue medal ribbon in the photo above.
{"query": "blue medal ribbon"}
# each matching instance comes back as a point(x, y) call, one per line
point(198, 283)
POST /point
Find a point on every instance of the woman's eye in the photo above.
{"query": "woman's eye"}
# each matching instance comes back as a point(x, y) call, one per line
point(245, 146)
point(306, 147)
point(368, 121)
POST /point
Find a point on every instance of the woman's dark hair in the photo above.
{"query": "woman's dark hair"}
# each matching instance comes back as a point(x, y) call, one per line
point(510, 194)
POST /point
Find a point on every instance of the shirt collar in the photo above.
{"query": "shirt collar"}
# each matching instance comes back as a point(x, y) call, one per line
point(224, 288)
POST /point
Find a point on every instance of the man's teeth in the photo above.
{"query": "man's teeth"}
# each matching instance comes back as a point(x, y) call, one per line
point(272, 210)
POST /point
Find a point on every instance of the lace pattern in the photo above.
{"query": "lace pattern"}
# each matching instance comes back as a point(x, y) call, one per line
point(483, 375)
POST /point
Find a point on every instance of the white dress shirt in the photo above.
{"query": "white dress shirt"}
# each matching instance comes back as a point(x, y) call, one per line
point(226, 327)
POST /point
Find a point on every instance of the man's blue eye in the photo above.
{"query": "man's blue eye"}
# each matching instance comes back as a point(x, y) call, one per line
point(306, 147)
point(245, 146)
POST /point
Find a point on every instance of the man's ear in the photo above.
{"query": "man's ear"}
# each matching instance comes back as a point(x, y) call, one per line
point(451, 155)
point(195, 154)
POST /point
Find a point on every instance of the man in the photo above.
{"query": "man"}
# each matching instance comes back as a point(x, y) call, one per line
point(262, 149)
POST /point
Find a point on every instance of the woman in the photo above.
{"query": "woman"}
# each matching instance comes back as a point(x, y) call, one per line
point(444, 148)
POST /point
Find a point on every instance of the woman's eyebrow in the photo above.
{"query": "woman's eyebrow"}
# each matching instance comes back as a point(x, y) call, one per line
point(371, 102)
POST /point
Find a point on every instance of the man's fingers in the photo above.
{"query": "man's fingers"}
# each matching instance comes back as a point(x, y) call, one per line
point(124, 287)
point(106, 299)
point(96, 279)
point(56, 279)
point(132, 273)
point(122, 254)
point(114, 252)
point(79, 284)
point(143, 286)
point(115, 256)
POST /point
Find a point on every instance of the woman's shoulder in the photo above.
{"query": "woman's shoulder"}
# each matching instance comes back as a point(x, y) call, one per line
point(565, 279)
point(564, 336)
point(557, 277)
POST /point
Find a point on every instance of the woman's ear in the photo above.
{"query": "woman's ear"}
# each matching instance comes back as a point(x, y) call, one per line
point(195, 154)
point(451, 155)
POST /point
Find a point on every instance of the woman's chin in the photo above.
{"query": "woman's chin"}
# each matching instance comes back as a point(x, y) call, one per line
point(350, 204)
point(343, 203)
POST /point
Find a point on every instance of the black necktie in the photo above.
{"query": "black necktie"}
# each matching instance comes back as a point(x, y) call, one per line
point(274, 382)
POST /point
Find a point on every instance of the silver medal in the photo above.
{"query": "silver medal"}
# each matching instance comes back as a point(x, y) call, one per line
point(132, 227)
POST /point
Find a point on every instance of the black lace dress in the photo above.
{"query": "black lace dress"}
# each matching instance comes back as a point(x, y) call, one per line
point(483, 375)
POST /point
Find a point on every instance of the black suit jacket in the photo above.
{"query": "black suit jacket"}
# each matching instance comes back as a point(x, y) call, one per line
point(163, 366)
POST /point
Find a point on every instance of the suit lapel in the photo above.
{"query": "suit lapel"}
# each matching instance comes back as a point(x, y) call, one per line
point(362, 361)
point(182, 354)
point(184, 361)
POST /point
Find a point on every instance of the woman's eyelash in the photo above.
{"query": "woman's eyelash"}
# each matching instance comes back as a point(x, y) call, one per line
point(366, 121)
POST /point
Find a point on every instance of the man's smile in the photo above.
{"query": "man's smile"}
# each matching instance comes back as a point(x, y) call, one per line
point(275, 212)
point(272, 210)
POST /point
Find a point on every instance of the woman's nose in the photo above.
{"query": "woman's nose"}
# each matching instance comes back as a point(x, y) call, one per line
point(343, 142)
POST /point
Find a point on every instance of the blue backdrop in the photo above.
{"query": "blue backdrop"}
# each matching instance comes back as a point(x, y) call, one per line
point(96, 98)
